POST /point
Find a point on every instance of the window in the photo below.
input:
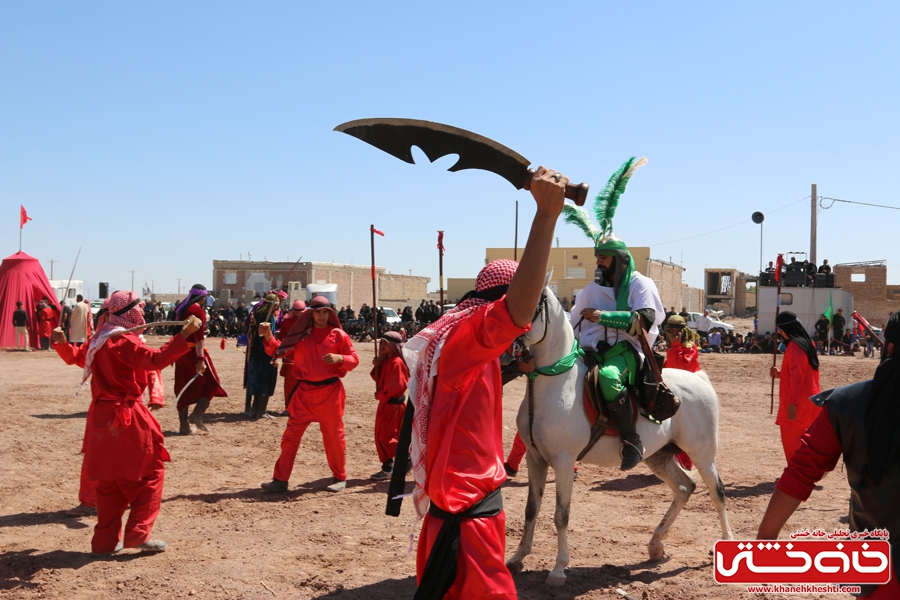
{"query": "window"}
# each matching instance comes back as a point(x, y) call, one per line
point(858, 277)
point(786, 300)
point(230, 278)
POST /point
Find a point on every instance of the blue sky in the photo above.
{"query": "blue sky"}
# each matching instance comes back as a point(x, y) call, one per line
point(160, 136)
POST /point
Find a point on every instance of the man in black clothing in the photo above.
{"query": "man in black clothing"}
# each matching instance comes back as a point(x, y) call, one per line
point(822, 328)
point(825, 268)
point(20, 322)
point(837, 324)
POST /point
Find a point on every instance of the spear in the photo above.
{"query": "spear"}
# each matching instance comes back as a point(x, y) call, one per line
point(778, 264)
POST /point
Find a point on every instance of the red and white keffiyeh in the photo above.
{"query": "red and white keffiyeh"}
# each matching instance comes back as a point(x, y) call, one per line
point(130, 311)
point(421, 354)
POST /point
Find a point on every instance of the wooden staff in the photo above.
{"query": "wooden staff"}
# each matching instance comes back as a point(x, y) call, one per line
point(778, 264)
point(66, 293)
point(441, 268)
point(374, 292)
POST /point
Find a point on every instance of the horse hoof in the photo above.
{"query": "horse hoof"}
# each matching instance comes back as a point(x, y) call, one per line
point(658, 555)
point(514, 566)
point(555, 579)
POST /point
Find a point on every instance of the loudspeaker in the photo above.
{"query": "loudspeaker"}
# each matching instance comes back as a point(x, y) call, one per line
point(829, 280)
point(820, 280)
point(765, 279)
point(794, 278)
point(104, 290)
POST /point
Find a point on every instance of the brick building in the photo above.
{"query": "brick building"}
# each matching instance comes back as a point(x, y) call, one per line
point(726, 289)
point(243, 279)
point(873, 298)
point(573, 269)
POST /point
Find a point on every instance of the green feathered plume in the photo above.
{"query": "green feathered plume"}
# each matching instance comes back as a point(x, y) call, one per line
point(608, 200)
point(576, 215)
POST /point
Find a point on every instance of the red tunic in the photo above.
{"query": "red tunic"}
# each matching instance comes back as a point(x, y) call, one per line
point(799, 381)
point(391, 383)
point(465, 450)
point(122, 439)
point(46, 318)
point(207, 385)
point(319, 403)
point(679, 357)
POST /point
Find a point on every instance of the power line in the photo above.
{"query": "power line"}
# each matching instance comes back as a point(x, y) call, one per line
point(729, 226)
point(833, 200)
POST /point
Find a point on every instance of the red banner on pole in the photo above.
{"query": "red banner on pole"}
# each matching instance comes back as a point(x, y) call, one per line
point(23, 217)
point(381, 233)
point(440, 244)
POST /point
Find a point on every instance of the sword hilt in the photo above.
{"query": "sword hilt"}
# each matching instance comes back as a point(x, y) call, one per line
point(576, 192)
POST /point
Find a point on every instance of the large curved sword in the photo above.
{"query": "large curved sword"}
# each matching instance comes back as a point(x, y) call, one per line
point(398, 136)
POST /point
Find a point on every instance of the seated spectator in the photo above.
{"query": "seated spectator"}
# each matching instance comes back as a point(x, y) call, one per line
point(820, 346)
point(767, 344)
point(739, 343)
point(715, 340)
point(753, 346)
point(728, 343)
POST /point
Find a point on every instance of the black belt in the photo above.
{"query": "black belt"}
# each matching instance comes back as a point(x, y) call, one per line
point(324, 382)
point(399, 400)
point(440, 568)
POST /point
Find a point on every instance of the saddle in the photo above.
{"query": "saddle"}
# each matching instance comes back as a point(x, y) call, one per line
point(649, 397)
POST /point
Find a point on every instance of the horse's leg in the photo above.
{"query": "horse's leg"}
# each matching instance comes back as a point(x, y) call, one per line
point(565, 479)
point(664, 466)
point(537, 481)
point(710, 474)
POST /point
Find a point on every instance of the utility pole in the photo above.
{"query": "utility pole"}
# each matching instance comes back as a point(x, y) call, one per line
point(132, 281)
point(812, 230)
point(51, 261)
point(179, 286)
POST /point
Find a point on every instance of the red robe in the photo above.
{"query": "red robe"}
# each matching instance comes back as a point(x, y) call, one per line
point(391, 381)
point(799, 381)
point(679, 357)
point(322, 404)
point(207, 385)
point(465, 450)
point(46, 320)
point(124, 445)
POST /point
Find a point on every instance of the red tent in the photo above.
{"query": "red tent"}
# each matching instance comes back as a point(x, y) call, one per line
point(22, 279)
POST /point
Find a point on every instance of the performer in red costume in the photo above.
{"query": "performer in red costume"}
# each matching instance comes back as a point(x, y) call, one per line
point(322, 356)
point(287, 365)
point(206, 386)
point(681, 353)
point(391, 377)
point(799, 376)
point(76, 353)
point(46, 323)
point(457, 446)
point(124, 450)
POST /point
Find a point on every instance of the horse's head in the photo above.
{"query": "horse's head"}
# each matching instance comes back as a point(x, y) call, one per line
point(549, 323)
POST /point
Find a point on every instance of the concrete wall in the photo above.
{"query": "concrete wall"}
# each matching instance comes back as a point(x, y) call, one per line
point(243, 279)
point(873, 298)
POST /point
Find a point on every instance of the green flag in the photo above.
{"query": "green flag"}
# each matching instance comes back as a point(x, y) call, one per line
point(829, 312)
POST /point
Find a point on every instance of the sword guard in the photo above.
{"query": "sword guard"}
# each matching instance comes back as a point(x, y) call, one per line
point(574, 192)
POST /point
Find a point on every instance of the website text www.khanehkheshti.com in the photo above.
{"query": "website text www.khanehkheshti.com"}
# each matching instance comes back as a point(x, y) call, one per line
point(803, 588)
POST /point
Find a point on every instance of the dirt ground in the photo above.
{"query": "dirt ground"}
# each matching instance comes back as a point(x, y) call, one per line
point(227, 539)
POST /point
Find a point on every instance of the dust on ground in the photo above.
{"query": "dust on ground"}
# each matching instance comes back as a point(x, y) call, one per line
point(227, 539)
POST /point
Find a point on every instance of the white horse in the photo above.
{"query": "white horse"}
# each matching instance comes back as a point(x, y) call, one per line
point(561, 431)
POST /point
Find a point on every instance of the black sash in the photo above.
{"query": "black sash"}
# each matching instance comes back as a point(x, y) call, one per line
point(440, 569)
point(399, 400)
point(324, 382)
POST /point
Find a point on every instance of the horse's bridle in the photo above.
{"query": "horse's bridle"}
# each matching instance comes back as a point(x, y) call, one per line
point(519, 347)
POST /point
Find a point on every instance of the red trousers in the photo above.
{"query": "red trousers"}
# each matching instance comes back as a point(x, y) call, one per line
point(113, 497)
point(87, 489)
point(516, 453)
point(480, 568)
point(332, 438)
point(388, 419)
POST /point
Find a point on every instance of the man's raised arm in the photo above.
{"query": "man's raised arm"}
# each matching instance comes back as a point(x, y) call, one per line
point(548, 189)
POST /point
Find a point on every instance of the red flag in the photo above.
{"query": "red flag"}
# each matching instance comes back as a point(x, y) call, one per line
point(441, 242)
point(23, 217)
point(381, 233)
point(779, 263)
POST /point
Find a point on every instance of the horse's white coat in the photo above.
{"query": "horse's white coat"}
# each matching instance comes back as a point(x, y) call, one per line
point(561, 431)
